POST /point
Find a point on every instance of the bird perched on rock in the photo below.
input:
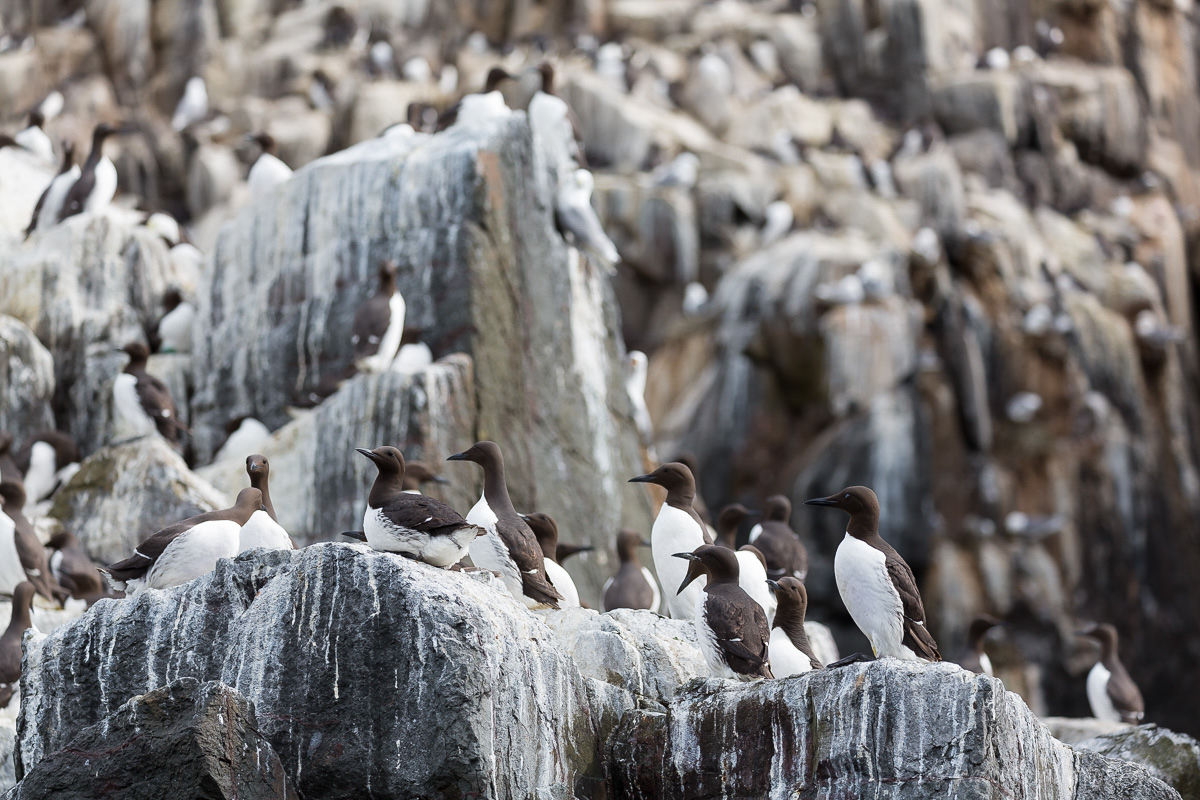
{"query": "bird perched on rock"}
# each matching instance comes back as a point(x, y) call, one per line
point(677, 529)
point(34, 139)
point(973, 658)
point(574, 215)
point(1111, 693)
point(779, 544)
point(193, 105)
point(173, 333)
point(412, 525)
point(379, 324)
point(417, 473)
point(142, 401)
point(186, 550)
point(752, 567)
point(29, 548)
point(10, 642)
point(48, 460)
point(876, 584)
point(635, 386)
point(509, 548)
point(545, 530)
point(553, 124)
point(263, 528)
point(477, 108)
point(791, 653)
point(45, 213)
point(633, 586)
point(730, 626)
point(268, 170)
point(97, 182)
point(74, 570)
point(244, 434)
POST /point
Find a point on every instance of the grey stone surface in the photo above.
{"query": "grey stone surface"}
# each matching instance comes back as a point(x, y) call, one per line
point(1173, 758)
point(26, 381)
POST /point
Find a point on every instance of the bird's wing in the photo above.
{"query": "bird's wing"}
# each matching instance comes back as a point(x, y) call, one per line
point(1126, 697)
point(37, 210)
point(145, 554)
point(916, 636)
point(527, 555)
point(581, 222)
point(156, 399)
point(742, 633)
point(78, 194)
point(418, 512)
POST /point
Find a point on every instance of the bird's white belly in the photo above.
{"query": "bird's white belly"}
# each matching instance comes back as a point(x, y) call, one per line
point(675, 531)
point(785, 658)
point(656, 600)
point(717, 668)
point(105, 187)
point(481, 514)
point(985, 664)
point(752, 577)
point(41, 477)
point(262, 531)
point(11, 572)
point(869, 596)
point(194, 553)
point(489, 551)
point(267, 173)
point(175, 329)
point(129, 407)
point(390, 343)
point(59, 188)
point(563, 583)
point(755, 532)
point(248, 439)
point(440, 551)
point(1097, 692)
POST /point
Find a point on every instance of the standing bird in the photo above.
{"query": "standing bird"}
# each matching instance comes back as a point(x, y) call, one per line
point(553, 125)
point(379, 324)
point(412, 525)
point(74, 570)
point(268, 170)
point(97, 183)
point(48, 460)
point(193, 105)
point(779, 544)
point(791, 653)
point(973, 658)
point(1111, 692)
point(174, 330)
point(34, 139)
point(730, 626)
point(635, 387)
point(186, 550)
point(263, 528)
point(573, 213)
point(509, 548)
point(545, 530)
point(876, 584)
point(10, 642)
point(417, 473)
point(633, 586)
point(481, 107)
point(143, 402)
point(752, 567)
point(677, 529)
point(45, 213)
point(30, 552)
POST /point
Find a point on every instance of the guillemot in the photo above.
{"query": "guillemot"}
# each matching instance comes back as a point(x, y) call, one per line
point(379, 324)
point(509, 548)
point(730, 625)
point(268, 170)
point(48, 460)
point(553, 125)
point(412, 525)
point(417, 473)
point(97, 182)
point(545, 530)
point(574, 215)
point(142, 401)
point(472, 109)
point(785, 553)
point(633, 586)
point(10, 642)
point(45, 213)
point(752, 566)
point(74, 570)
point(186, 550)
point(1111, 693)
point(173, 334)
point(244, 434)
point(677, 529)
point(193, 104)
point(876, 584)
point(30, 552)
point(34, 139)
point(973, 658)
point(635, 387)
point(263, 528)
point(791, 653)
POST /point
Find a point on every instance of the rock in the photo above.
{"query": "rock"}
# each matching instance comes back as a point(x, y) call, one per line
point(1074, 730)
point(213, 172)
point(26, 381)
point(988, 100)
point(1100, 113)
point(785, 111)
point(23, 177)
point(381, 104)
point(207, 733)
point(126, 492)
point(8, 744)
point(825, 731)
point(1173, 758)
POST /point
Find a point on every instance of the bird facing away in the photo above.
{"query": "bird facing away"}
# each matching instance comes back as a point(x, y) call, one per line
point(973, 658)
point(412, 525)
point(174, 330)
point(633, 586)
point(379, 324)
point(1111, 693)
point(876, 584)
point(677, 529)
point(779, 544)
point(30, 551)
point(97, 182)
point(10, 642)
point(730, 626)
point(49, 459)
point(417, 473)
point(186, 550)
point(509, 548)
point(263, 528)
point(143, 402)
point(752, 565)
point(545, 530)
point(791, 652)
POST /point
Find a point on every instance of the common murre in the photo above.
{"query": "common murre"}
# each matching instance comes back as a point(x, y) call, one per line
point(677, 529)
point(730, 625)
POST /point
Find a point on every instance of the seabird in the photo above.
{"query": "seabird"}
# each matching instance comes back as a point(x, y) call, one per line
point(412, 525)
point(876, 584)
point(48, 460)
point(142, 400)
point(74, 570)
point(45, 213)
point(174, 331)
point(412, 358)
point(563, 551)
point(186, 550)
point(379, 324)
point(244, 434)
point(688, 459)
point(574, 214)
point(193, 105)
point(778, 220)
point(791, 653)
point(779, 544)
point(30, 552)
point(1111, 692)
point(477, 108)
point(730, 625)
point(677, 529)
point(553, 124)
point(263, 528)
point(545, 530)
point(635, 387)
point(973, 658)
point(752, 566)
point(268, 170)
point(417, 473)
point(34, 139)
point(11, 571)
point(10, 642)
point(509, 548)
point(97, 182)
point(633, 586)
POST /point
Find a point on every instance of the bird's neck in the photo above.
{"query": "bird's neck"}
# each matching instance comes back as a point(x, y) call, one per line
point(791, 622)
point(260, 482)
point(387, 485)
point(864, 526)
point(495, 489)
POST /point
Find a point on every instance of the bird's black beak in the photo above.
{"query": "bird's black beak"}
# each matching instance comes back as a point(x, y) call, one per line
point(262, 508)
point(643, 479)
point(440, 479)
point(523, 516)
point(822, 501)
point(773, 584)
point(368, 454)
point(458, 457)
point(695, 569)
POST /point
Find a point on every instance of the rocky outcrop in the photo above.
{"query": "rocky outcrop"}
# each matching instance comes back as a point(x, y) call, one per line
point(206, 732)
point(1173, 758)
point(27, 380)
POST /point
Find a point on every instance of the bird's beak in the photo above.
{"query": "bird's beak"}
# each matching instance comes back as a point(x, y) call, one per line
point(458, 457)
point(773, 584)
point(822, 501)
point(695, 569)
point(368, 454)
point(523, 516)
point(753, 514)
point(642, 479)
point(440, 479)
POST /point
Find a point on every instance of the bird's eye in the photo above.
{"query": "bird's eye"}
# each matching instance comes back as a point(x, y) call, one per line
point(847, 497)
